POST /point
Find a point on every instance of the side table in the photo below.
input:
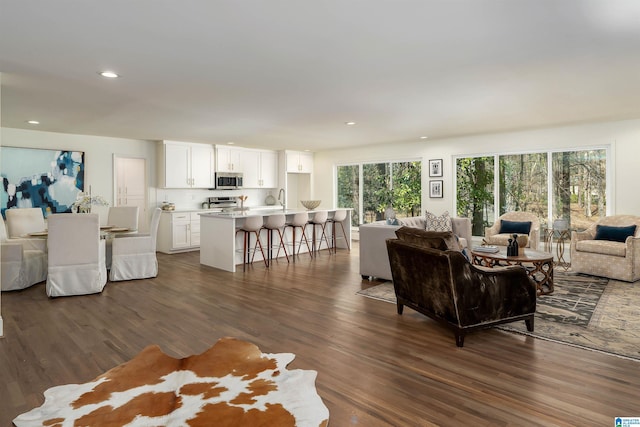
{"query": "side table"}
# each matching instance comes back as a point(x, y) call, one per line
point(561, 237)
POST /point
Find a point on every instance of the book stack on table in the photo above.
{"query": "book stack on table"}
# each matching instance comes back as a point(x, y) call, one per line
point(486, 248)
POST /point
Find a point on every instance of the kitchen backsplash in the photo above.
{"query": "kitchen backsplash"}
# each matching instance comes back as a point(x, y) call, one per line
point(193, 199)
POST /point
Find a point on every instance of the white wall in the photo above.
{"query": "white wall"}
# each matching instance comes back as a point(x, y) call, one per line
point(98, 151)
point(99, 154)
point(622, 136)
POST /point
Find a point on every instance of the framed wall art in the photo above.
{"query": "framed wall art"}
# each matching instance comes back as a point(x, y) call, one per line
point(435, 167)
point(435, 189)
point(40, 178)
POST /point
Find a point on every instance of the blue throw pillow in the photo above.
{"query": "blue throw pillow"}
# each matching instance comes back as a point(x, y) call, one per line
point(517, 227)
point(614, 234)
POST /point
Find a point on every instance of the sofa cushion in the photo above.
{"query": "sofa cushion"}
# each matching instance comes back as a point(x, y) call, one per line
point(614, 234)
point(603, 247)
point(514, 227)
point(443, 240)
point(438, 223)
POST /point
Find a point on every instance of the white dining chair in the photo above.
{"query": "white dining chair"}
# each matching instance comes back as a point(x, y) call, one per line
point(23, 261)
point(134, 256)
point(123, 216)
point(20, 267)
point(76, 255)
point(22, 221)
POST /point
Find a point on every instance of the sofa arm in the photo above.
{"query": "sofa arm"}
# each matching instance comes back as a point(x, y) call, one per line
point(462, 228)
point(494, 294)
point(493, 230)
point(534, 239)
point(576, 236)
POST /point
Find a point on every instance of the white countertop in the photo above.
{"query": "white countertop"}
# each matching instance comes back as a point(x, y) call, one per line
point(259, 212)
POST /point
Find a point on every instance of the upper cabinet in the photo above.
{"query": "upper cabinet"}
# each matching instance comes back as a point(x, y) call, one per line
point(260, 169)
point(185, 165)
point(299, 162)
point(228, 159)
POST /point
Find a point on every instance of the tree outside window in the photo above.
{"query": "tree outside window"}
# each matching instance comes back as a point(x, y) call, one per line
point(383, 185)
point(573, 187)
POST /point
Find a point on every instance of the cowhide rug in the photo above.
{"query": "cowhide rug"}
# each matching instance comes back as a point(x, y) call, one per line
point(231, 384)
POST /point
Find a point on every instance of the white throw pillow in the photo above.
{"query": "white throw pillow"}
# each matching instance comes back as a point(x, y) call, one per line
point(438, 223)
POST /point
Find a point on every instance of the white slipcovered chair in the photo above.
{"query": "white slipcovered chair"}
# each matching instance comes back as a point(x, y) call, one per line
point(495, 234)
point(23, 262)
point(23, 221)
point(134, 257)
point(76, 255)
point(123, 216)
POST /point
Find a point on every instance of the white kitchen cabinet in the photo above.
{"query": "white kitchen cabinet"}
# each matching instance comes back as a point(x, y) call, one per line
point(299, 162)
point(260, 169)
point(178, 232)
point(228, 159)
point(185, 165)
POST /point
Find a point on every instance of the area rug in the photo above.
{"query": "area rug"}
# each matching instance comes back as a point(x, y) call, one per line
point(231, 384)
point(583, 311)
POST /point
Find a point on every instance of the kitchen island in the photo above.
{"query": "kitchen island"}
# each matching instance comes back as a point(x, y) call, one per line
point(219, 244)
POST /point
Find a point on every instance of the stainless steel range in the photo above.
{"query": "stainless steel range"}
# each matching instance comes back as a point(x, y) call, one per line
point(222, 204)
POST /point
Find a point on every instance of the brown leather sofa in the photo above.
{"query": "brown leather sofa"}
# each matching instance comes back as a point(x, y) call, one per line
point(441, 283)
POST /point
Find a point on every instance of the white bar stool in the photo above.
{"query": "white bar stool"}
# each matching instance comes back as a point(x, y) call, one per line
point(299, 220)
point(319, 219)
point(252, 225)
point(275, 222)
point(339, 216)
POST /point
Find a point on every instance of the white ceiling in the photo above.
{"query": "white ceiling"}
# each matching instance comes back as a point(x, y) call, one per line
point(290, 73)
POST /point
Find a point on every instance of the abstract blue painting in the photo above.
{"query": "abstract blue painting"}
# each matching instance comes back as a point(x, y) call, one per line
point(33, 177)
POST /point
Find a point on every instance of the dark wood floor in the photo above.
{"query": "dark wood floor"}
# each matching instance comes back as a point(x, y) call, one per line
point(375, 368)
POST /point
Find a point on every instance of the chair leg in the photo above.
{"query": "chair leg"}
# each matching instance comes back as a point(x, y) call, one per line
point(324, 235)
point(334, 238)
point(344, 233)
point(459, 338)
point(281, 245)
point(306, 241)
point(255, 248)
point(529, 323)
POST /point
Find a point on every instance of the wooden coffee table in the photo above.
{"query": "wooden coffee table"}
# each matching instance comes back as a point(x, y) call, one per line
point(539, 265)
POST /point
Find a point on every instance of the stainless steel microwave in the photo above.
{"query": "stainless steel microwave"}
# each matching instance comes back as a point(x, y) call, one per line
point(228, 180)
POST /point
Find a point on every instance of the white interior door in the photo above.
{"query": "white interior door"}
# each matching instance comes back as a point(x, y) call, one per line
point(131, 186)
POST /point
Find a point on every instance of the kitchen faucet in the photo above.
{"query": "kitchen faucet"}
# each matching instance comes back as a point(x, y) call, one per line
point(282, 199)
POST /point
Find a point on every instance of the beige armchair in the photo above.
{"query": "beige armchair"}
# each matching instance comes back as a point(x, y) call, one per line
point(618, 260)
point(493, 235)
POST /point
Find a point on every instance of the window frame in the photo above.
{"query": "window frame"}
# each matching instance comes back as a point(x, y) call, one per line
point(608, 148)
point(360, 165)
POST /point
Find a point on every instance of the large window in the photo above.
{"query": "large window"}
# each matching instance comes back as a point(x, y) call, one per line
point(370, 188)
point(571, 185)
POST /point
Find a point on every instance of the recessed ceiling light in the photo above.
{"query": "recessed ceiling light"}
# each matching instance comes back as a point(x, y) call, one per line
point(109, 74)
point(424, 137)
point(33, 122)
point(349, 123)
point(230, 143)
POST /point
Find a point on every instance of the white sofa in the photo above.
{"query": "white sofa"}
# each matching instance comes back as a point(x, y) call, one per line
point(374, 260)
